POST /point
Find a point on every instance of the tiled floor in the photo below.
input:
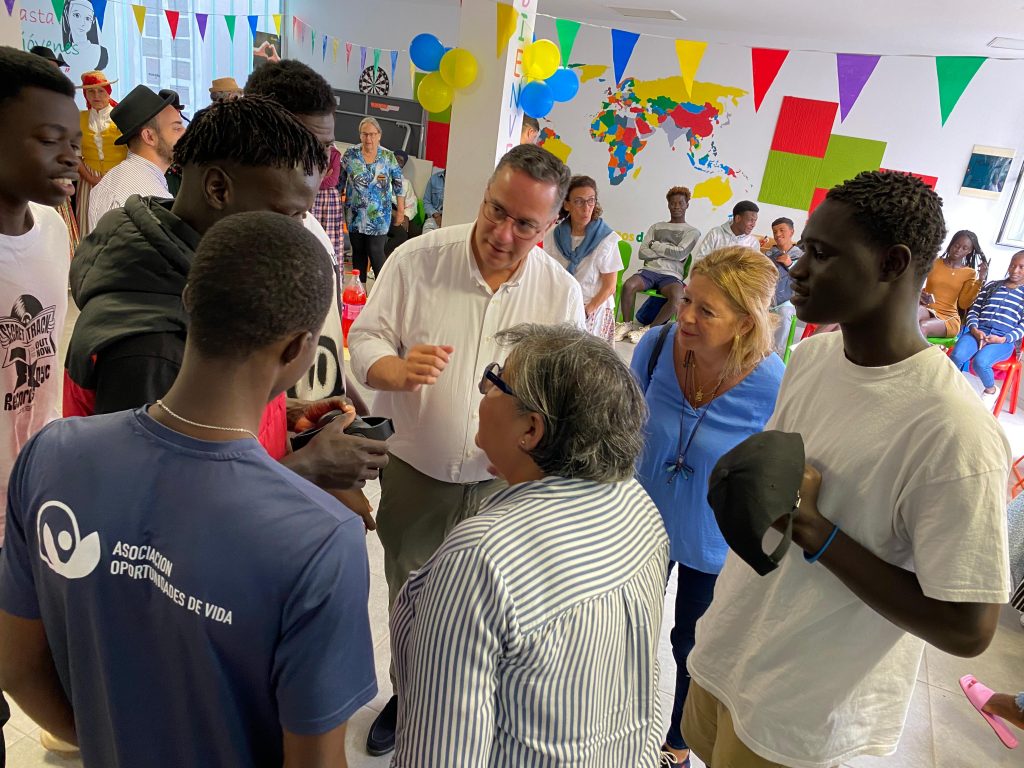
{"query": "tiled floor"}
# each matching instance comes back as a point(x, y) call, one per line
point(942, 730)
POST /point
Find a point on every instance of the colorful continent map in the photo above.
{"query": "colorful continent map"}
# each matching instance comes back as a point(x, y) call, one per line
point(633, 113)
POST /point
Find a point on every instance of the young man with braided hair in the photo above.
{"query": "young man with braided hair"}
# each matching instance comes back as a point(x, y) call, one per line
point(899, 538)
point(128, 275)
point(170, 595)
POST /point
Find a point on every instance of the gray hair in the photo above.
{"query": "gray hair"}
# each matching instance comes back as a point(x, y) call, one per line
point(538, 164)
point(372, 121)
point(592, 409)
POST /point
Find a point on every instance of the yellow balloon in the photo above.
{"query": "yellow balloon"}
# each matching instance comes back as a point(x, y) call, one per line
point(434, 93)
point(458, 68)
point(541, 59)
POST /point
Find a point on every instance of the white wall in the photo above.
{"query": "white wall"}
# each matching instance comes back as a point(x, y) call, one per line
point(385, 24)
point(899, 105)
point(10, 27)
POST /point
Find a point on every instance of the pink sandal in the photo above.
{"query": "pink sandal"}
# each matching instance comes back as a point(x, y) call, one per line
point(979, 695)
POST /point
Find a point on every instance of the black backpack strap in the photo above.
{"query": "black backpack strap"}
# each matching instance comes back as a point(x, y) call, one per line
point(656, 352)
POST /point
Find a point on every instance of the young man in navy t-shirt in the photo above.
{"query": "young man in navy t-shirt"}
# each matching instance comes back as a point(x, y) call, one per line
point(169, 594)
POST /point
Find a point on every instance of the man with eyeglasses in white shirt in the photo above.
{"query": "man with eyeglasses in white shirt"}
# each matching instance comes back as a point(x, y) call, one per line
point(424, 336)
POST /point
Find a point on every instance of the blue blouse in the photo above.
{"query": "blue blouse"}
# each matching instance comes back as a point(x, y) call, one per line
point(694, 537)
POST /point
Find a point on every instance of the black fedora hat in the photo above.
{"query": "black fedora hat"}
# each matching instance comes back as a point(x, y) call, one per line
point(44, 52)
point(138, 108)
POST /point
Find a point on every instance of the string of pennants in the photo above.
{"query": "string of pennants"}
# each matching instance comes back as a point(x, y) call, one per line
point(300, 30)
point(853, 70)
point(172, 17)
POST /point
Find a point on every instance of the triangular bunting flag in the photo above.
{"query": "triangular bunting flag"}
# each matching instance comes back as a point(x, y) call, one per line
point(230, 21)
point(567, 31)
point(172, 22)
point(323, 54)
point(334, 50)
point(394, 61)
point(277, 22)
point(348, 53)
point(689, 53)
point(312, 40)
point(853, 69)
point(10, 8)
point(362, 57)
point(201, 19)
point(506, 26)
point(140, 16)
point(765, 63)
point(253, 21)
point(623, 43)
point(58, 8)
point(955, 73)
point(99, 7)
point(376, 61)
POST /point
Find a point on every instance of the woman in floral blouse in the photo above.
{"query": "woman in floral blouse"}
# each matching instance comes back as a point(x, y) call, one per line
point(370, 175)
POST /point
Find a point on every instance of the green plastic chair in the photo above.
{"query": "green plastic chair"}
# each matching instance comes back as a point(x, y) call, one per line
point(626, 252)
point(943, 341)
point(789, 340)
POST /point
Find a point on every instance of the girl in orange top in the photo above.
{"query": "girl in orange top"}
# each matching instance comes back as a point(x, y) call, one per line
point(953, 285)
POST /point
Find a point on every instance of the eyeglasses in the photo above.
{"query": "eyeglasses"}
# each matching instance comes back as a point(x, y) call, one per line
point(369, 134)
point(579, 202)
point(524, 229)
point(492, 378)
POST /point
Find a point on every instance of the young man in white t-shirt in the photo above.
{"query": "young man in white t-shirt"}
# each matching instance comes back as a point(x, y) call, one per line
point(38, 168)
point(900, 534)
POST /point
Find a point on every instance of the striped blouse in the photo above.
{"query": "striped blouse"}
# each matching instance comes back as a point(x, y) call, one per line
point(530, 638)
point(999, 311)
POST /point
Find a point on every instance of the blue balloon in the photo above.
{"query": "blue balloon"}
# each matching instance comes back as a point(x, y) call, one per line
point(564, 84)
point(536, 99)
point(426, 51)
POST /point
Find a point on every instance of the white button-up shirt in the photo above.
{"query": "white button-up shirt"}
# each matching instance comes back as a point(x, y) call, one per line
point(723, 237)
point(134, 175)
point(432, 292)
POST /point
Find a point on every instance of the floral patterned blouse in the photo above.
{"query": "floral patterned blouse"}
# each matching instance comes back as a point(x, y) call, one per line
point(368, 190)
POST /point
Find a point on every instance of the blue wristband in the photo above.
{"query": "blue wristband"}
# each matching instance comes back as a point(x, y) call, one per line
point(814, 558)
point(1019, 701)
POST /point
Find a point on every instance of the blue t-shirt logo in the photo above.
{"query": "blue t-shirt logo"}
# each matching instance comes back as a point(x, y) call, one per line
point(68, 555)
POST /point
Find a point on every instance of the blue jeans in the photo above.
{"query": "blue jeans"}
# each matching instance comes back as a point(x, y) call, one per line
point(693, 597)
point(966, 350)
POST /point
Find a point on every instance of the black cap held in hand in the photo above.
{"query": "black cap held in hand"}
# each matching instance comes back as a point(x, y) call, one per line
point(752, 486)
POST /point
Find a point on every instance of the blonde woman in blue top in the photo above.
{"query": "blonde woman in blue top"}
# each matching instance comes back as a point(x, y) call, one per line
point(370, 177)
point(710, 381)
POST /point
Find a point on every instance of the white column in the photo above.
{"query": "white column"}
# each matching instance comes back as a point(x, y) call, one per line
point(485, 120)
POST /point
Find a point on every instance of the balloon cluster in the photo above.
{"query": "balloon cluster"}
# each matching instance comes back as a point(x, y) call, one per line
point(548, 82)
point(449, 69)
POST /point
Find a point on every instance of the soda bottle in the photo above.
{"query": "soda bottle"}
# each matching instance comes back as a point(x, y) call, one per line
point(353, 298)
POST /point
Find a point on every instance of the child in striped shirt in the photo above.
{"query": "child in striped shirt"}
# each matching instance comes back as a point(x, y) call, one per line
point(995, 325)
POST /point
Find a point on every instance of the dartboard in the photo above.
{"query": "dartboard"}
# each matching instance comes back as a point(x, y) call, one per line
point(374, 82)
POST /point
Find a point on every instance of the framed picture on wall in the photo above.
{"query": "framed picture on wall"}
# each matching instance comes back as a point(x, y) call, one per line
point(986, 172)
point(1012, 231)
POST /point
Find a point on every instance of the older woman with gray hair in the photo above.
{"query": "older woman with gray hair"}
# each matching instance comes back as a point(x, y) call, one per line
point(530, 636)
point(370, 177)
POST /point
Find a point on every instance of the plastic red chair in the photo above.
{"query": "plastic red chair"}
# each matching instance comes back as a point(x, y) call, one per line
point(1018, 478)
point(808, 330)
point(1009, 371)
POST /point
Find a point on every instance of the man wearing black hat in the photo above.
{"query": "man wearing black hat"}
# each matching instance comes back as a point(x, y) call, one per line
point(47, 53)
point(150, 125)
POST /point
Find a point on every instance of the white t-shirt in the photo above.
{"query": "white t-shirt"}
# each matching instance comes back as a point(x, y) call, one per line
point(722, 237)
point(326, 377)
point(33, 303)
point(914, 468)
point(603, 259)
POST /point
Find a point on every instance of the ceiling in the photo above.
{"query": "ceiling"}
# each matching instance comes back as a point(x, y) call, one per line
point(931, 27)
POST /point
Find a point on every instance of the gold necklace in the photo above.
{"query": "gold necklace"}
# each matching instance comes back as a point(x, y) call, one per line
point(169, 412)
point(698, 388)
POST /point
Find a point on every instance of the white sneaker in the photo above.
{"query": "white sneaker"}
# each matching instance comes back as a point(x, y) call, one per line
point(988, 399)
point(635, 335)
point(621, 329)
point(52, 744)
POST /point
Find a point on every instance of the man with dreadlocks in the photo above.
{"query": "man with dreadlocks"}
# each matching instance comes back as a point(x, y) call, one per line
point(899, 536)
point(128, 277)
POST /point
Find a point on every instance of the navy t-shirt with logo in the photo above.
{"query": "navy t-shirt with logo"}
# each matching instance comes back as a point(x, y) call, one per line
point(197, 596)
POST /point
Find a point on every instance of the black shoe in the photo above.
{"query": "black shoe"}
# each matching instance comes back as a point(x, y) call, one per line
point(381, 738)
